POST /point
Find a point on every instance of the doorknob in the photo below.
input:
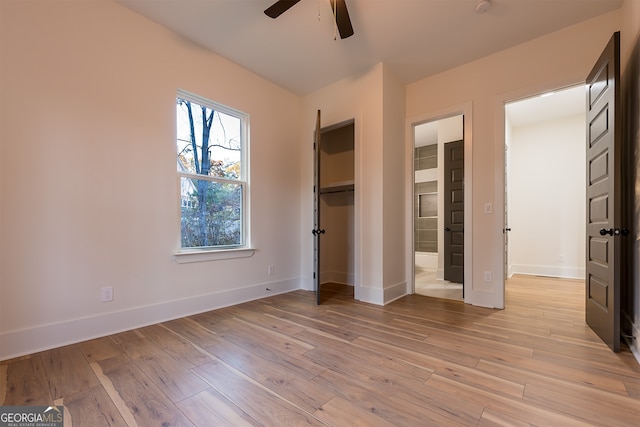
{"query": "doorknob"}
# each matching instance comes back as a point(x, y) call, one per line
point(504, 230)
point(317, 232)
point(614, 232)
point(447, 229)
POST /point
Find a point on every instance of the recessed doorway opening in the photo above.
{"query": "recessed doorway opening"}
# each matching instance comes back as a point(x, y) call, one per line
point(545, 185)
point(438, 217)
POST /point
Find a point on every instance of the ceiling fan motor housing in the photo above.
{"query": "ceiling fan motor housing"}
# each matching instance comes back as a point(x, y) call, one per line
point(483, 5)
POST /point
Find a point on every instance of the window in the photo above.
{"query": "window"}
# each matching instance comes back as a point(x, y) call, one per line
point(211, 144)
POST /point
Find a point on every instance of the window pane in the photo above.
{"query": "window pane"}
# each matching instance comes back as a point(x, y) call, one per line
point(211, 213)
point(208, 141)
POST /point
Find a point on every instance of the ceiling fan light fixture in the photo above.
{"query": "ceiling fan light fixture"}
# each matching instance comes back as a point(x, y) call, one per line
point(482, 6)
point(342, 22)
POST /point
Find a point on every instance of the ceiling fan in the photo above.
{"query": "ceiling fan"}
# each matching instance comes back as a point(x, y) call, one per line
point(339, 12)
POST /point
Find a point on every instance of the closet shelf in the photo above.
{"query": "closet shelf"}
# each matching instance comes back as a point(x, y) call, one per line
point(337, 187)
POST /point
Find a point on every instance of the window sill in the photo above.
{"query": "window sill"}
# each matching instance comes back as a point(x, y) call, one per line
point(212, 255)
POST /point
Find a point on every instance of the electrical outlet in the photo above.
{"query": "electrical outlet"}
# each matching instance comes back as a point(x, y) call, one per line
point(561, 258)
point(487, 276)
point(271, 270)
point(106, 294)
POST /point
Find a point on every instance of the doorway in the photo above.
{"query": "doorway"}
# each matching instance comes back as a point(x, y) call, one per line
point(544, 185)
point(438, 241)
point(335, 210)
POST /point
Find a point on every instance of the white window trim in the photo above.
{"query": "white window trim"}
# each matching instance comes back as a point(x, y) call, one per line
point(244, 250)
point(210, 254)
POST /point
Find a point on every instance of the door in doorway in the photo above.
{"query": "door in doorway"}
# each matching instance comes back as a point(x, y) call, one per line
point(604, 228)
point(506, 229)
point(453, 245)
point(317, 231)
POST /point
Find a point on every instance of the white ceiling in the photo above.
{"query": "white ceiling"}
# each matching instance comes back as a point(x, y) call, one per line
point(554, 105)
point(425, 134)
point(415, 38)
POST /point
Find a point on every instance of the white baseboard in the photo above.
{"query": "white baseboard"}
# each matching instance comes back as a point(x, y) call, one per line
point(633, 346)
point(393, 292)
point(634, 341)
point(481, 298)
point(31, 340)
point(370, 295)
point(547, 270)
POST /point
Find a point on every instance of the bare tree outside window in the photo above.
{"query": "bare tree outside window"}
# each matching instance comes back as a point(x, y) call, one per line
point(209, 143)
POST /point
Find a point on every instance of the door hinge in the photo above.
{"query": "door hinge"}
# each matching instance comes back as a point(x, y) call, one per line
point(314, 275)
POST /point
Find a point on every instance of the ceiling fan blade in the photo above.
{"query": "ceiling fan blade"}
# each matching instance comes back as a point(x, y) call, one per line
point(279, 7)
point(342, 18)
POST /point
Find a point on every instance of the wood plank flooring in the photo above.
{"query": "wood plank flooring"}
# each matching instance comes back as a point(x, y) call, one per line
point(283, 361)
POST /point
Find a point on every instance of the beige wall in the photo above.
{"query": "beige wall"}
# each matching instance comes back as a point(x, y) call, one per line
point(394, 204)
point(556, 60)
point(630, 33)
point(88, 188)
point(546, 182)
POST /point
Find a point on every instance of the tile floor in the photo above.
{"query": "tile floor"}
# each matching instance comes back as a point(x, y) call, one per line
point(427, 284)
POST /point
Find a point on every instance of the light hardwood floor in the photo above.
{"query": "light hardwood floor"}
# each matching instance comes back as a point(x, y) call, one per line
point(283, 360)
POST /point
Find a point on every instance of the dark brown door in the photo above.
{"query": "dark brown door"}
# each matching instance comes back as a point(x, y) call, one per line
point(454, 211)
point(604, 229)
point(316, 209)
